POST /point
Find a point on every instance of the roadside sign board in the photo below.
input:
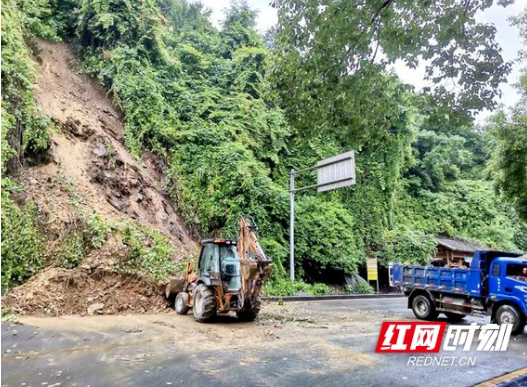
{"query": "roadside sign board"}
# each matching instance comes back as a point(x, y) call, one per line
point(336, 172)
point(372, 269)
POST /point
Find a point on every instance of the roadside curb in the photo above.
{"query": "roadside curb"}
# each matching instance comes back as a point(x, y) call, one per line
point(512, 379)
point(333, 297)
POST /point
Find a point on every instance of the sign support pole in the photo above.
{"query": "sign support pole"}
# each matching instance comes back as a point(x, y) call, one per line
point(335, 172)
point(292, 226)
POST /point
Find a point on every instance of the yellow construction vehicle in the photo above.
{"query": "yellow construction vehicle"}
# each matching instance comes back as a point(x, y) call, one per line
point(229, 277)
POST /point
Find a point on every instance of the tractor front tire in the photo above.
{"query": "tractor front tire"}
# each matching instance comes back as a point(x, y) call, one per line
point(204, 306)
point(249, 313)
point(181, 303)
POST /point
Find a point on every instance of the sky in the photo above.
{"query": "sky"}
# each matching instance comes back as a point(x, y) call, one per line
point(507, 37)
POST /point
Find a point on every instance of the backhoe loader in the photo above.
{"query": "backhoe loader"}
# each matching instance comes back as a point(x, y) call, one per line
point(229, 277)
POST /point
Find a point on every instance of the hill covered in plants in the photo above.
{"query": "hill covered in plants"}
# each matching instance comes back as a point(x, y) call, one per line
point(226, 114)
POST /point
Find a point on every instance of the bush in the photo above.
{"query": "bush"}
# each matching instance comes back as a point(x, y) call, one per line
point(325, 240)
point(149, 253)
point(283, 287)
point(90, 233)
point(408, 246)
point(362, 288)
point(23, 249)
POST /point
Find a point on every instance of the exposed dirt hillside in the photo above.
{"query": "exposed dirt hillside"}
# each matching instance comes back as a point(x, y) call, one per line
point(88, 167)
point(90, 151)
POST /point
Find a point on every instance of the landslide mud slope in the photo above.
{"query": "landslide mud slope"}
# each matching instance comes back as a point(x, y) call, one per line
point(88, 167)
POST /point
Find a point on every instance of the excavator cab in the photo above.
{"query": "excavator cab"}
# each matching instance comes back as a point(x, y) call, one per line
point(219, 264)
point(230, 268)
point(229, 277)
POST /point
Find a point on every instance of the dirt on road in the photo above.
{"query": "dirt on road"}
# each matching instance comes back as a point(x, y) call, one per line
point(276, 327)
point(325, 343)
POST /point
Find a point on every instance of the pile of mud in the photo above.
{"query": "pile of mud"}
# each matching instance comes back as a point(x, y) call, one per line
point(96, 286)
point(58, 291)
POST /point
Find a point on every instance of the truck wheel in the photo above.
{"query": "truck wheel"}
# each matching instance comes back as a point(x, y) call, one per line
point(454, 316)
point(508, 314)
point(181, 304)
point(204, 304)
point(423, 308)
point(248, 314)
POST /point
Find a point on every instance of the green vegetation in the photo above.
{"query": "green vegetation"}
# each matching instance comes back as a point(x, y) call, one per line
point(231, 117)
point(149, 252)
point(333, 58)
point(24, 133)
point(284, 287)
point(88, 233)
point(362, 288)
point(9, 317)
point(23, 246)
point(508, 141)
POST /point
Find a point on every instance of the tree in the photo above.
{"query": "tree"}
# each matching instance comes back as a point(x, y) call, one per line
point(438, 158)
point(239, 28)
point(508, 140)
point(332, 55)
point(508, 163)
point(326, 246)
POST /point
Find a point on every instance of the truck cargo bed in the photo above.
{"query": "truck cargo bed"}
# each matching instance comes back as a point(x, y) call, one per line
point(435, 278)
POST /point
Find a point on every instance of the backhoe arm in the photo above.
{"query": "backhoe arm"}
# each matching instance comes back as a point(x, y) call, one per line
point(255, 265)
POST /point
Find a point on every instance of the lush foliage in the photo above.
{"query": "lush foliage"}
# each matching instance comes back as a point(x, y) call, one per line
point(408, 245)
point(508, 141)
point(324, 246)
point(332, 58)
point(23, 129)
point(362, 288)
point(149, 252)
point(24, 133)
point(283, 287)
point(22, 243)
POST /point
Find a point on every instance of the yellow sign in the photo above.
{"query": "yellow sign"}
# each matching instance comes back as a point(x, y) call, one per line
point(372, 269)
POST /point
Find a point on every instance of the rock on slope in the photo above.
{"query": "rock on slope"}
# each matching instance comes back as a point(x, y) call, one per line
point(88, 167)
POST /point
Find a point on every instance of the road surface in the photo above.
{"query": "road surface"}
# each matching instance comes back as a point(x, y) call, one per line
point(324, 343)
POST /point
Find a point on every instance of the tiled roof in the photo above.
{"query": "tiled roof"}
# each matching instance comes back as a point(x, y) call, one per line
point(457, 244)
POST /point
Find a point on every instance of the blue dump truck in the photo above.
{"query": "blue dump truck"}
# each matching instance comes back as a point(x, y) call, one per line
point(495, 285)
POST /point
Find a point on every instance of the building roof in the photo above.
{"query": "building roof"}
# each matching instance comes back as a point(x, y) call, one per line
point(457, 244)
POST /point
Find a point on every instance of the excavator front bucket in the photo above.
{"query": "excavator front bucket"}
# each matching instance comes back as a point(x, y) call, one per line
point(178, 285)
point(174, 287)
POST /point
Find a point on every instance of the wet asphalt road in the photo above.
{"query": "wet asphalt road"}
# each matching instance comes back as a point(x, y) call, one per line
point(47, 355)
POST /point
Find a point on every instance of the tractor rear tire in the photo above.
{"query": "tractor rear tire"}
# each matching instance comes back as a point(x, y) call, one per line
point(508, 314)
point(423, 308)
point(454, 317)
point(248, 314)
point(181, 303)
point(204, 307)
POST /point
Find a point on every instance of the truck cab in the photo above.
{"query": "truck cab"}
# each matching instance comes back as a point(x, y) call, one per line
point(508, 286)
